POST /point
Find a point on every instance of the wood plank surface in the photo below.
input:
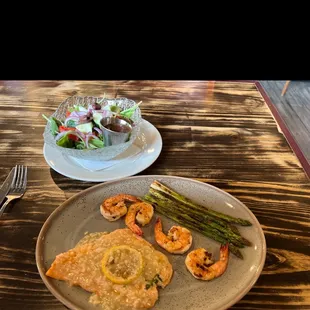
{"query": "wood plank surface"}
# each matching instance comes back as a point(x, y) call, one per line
point(221, 133)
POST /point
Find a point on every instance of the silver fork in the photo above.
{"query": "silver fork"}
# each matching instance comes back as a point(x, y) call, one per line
point(18, 186)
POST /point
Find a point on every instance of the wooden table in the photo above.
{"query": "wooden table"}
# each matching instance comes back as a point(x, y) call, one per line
point(221, 133)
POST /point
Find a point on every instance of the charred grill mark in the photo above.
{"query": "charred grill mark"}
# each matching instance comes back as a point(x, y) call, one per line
point(202, 268)
point(208, 265)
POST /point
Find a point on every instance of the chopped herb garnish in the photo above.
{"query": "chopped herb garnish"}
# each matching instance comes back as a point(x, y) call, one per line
point(153, 281)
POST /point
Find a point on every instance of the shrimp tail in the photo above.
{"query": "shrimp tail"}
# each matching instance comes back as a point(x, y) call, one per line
point(137, 230)
point(158, 224)
point(224, 247)
point(224, 252)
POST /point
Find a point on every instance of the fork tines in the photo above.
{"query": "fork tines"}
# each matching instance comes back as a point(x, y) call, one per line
point(20, 177)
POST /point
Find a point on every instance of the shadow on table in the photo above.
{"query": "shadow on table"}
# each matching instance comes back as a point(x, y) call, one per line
point(68, 184)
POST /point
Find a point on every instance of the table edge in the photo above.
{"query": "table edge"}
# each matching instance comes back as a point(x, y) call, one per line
point(286, 132)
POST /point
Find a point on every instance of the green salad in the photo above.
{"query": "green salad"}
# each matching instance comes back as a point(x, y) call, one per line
point(81, 128)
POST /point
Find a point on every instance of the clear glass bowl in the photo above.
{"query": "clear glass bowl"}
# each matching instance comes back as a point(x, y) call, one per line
point(102, 154)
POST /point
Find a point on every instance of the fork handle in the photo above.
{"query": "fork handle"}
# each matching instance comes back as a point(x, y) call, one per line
point(4, 206)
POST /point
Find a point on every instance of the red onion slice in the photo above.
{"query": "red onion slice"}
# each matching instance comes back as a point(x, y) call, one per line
point(98, 130)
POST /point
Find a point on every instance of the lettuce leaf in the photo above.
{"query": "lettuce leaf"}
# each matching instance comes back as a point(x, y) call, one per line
point(55, 123)
point(96, 143)
point(129, 112)
point(65, 142)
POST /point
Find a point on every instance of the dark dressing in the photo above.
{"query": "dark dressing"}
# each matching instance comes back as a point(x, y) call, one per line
point(118, 128)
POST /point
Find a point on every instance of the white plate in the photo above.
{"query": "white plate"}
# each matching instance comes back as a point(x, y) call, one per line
point(149, 140)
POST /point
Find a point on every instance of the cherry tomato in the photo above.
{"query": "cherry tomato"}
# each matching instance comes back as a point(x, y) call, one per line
point(71, 137)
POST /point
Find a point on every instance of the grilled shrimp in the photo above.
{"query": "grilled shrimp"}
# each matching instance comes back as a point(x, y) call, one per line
point(115, 207)
point(140, 211)
point(200, 265)
point(178, 240)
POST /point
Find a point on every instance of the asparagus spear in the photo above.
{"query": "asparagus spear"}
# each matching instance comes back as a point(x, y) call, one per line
point(176, 196)
point(231, 246)
point(166, 208)
point(186, 221)
point(204, 219)
point(234, 229)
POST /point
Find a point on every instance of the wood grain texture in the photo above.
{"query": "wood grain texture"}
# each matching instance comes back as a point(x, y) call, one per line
point(216, 132)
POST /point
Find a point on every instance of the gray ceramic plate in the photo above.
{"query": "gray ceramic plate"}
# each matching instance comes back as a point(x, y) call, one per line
point(80, 214)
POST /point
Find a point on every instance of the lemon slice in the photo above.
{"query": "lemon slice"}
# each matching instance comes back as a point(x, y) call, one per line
point(122, 264)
